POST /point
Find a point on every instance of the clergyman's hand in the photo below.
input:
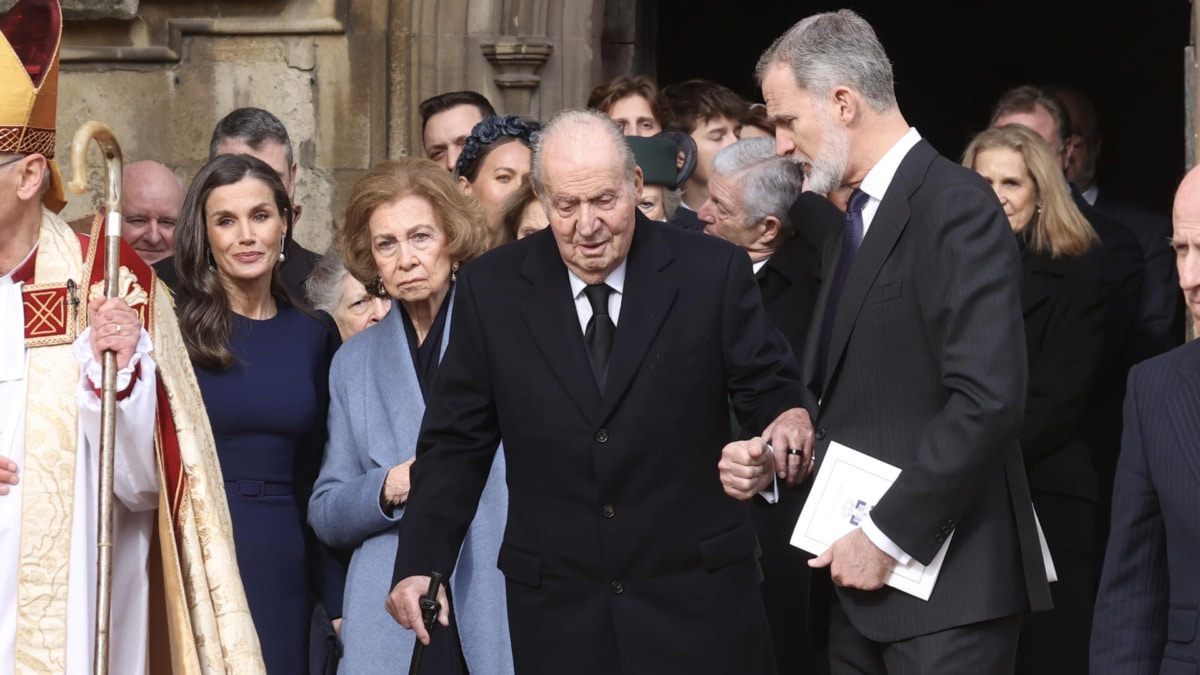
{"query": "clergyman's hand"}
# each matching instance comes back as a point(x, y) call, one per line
point(8, 474)
point(115, 326)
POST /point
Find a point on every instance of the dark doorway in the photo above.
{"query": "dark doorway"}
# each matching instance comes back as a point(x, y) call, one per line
point(953, 58)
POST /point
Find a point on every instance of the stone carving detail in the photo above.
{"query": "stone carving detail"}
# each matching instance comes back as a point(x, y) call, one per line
point(517, 61)
point(163, 41)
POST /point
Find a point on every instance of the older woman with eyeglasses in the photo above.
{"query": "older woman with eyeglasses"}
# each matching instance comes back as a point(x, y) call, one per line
point(407, 228)
point(334, 291)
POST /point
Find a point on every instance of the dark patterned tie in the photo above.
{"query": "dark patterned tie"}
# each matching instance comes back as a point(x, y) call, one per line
point(600, 330)
point(852, 235)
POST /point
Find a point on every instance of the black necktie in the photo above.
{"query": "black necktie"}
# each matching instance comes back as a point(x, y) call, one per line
point(600, 330)
point(852, 235)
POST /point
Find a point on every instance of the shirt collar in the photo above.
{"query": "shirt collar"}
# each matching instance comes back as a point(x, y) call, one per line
point(877, 180)
point(615, 280)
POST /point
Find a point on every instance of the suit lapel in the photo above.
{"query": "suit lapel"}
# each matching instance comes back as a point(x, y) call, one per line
point(1185, 409)
point(648, 296)
point(886, 227)
point(549, 310)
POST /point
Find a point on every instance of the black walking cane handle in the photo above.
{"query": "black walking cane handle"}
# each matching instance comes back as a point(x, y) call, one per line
point(429, 603)
point(429, 611)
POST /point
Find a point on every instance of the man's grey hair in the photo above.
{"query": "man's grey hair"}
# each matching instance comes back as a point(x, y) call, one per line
point(825, 51)
point(252, 126)
point(769, 183)
point(575, 123)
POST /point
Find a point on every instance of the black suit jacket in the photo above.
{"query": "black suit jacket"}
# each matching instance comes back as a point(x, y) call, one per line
point(1123, 268)
point(1126, 342)
point(1148, 606)
point(1063, 305)
point(622, 552)
point(1161, 320)
point(790, 281)
point(687, 219)
point(925, 372)
point(791, 277)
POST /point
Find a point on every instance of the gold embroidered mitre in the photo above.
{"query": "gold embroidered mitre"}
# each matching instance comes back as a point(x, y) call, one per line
point(30, 37)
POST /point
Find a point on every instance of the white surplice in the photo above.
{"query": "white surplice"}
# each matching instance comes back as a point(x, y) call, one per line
point(136, 488)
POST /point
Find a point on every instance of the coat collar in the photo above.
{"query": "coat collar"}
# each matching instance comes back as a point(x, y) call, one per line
point(793, 262)
point(549, 310)
point(397, 378)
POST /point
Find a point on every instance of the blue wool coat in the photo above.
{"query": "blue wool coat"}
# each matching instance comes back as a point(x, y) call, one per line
point(375, 416)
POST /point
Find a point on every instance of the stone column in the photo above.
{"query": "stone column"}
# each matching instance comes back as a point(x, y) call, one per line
point(529, 57)
point(519, 52)
point(517, 60)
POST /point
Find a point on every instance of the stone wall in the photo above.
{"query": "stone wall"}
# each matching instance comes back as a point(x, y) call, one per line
point(345, 76)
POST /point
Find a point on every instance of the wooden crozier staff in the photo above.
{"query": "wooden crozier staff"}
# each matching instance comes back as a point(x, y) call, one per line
point(108, 386)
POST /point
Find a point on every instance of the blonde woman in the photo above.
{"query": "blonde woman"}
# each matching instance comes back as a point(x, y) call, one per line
point(1063, 302)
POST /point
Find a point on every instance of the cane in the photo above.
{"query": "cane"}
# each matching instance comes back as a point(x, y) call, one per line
point(429, 611)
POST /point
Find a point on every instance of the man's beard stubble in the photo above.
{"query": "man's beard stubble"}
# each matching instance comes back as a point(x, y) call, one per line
point(828, 168)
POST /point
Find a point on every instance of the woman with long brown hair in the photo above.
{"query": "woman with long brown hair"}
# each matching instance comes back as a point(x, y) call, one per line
point(263, 369)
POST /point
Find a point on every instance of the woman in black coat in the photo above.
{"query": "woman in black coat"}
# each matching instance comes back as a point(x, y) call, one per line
point(1063, 302)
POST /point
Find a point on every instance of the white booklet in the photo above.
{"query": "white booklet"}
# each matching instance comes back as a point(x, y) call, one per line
point(846, 488)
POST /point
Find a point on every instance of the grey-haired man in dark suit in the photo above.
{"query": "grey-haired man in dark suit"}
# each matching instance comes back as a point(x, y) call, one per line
point(916, 358)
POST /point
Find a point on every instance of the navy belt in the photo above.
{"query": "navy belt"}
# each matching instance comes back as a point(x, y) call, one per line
point(258, 488)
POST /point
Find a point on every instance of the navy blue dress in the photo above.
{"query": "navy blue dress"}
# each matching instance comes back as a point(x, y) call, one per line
point(268, 418)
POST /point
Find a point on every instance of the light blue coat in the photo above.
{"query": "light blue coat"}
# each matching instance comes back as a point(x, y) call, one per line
point(375, 413)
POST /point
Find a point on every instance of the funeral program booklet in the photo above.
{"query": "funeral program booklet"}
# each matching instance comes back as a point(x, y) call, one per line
point(846, 488)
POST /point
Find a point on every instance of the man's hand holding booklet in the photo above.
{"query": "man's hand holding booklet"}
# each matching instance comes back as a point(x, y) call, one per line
point(846, 488)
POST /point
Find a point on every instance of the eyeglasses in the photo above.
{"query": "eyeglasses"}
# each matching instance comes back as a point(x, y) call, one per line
point(14, 160)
